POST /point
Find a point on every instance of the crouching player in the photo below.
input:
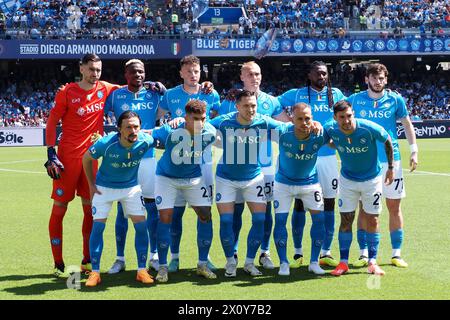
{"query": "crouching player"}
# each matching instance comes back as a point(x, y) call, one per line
point(297, 178)
point(179, 172)
point(361, 178)
point(117, 181)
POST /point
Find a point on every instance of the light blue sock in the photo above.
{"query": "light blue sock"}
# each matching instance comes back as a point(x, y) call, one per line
point(397, 239)
point(121, 231)
point(317, 233)
point(141, 243)
point(298, 221)
point(237, 223)
point(362, 239)
point(176, 229)
point(152, 224)
point(256, 234)
point(345, 241)
point(96, 244)
point(163, 241)
point(329, 229)
point(204, 238)
point(268, 223)
point(280, 235)
point(226, 234)
point(373, 240)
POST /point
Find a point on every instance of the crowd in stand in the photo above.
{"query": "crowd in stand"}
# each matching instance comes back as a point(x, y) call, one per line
point(24, 102)
point(134, 18)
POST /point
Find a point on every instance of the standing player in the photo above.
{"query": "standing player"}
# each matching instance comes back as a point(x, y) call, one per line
point(267, 105)
point(117, 180)
point(320, 96)
point(385, 107)
point(239, 171)
point(361, 178)
point(79, 106)
point(297, 178)
point(135, 97)
point(179, 173)
point(174, 101)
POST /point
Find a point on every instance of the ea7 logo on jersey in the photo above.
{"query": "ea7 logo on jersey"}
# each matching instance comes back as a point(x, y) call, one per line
point(76, 100)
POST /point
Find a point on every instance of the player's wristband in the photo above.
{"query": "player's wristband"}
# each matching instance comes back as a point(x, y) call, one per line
point(413, 148)
point(391, 167)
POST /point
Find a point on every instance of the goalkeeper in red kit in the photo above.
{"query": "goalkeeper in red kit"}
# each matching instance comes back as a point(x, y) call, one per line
point(79, 106)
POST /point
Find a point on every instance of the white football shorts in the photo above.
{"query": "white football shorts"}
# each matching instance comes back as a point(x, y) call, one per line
point(130, 198)
point(369, 192)
point(311, 196)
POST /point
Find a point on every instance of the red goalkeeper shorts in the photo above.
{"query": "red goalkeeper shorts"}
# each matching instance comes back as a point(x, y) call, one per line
point(73, 180)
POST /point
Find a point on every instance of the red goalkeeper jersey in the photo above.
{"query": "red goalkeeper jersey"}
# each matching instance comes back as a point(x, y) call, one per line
point(81, 113)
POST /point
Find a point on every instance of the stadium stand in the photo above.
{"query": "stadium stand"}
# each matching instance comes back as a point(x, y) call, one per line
point(123, 19)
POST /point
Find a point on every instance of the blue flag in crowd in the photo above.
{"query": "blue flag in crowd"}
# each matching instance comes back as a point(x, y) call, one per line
point(10, 6)
point(264, 43)
point(199, 7)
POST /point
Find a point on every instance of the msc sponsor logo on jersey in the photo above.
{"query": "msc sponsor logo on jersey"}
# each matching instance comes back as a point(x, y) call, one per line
point(129, 164)
point(377, 114)
point(90, 109)
point(137, 106)
point(305, 156)
point(323, 108)
point(347, 149)
point(244, 139)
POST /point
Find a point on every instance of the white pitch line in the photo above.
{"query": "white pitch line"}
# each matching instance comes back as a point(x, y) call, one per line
point(428, 173)
point(21, 171)
point(21, 161)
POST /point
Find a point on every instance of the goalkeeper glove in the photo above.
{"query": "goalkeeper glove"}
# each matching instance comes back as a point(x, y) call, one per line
point(53, 165)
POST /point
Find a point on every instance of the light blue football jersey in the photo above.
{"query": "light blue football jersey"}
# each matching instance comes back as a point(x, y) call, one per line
point(358, 150)
point(242, 145)
point(384, 111)
point(119, 167)
point(266, 105)
point(297, 158)
point(319, 106)
point(144, 102)
point(175, 100)
point(183, 153)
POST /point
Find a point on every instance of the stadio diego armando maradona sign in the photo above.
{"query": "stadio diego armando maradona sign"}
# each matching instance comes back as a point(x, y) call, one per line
point(106, 49)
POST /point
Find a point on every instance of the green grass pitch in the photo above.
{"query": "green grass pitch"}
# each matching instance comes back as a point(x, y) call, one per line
point(26, 262)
